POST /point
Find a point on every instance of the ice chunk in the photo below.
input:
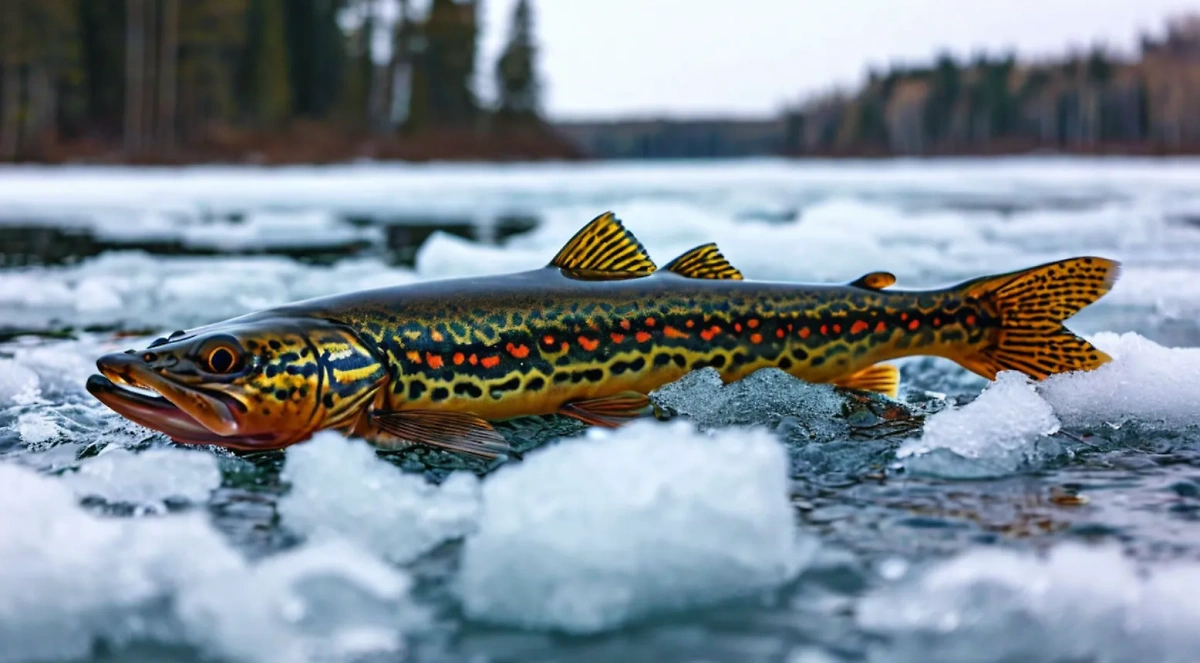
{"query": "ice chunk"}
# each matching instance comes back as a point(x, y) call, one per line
point(997, 432)
point(1075, 604)
point(594, 533)
point(767, 395)
point(1145, 382)
point(324, 602)
point(37, 429)
point(339, 487)
point(147, 479)
point(18, 384)
point(68, 578)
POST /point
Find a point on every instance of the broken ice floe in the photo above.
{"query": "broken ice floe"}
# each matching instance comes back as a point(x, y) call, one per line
point(148, 479)
point(590, 534)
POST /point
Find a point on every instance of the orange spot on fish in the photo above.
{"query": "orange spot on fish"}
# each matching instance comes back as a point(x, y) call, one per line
point(903, 316)
point(548, 339)
point(707, 334)
point(756, 338)
point(589, 344)
point(859, 327)
point(436, 336)
point(789, 327)
point(642, 336)
point(970, 321)
point(617, 338)
point(435, 361)
point(937, 322)
point(518, 351)
point(779, 333)
point(671, 332)
point(690, 324)
point(625, 325)
point(490, 362)
point(737, 327)
point(804, 332)
point(880, 327)
point(837, 329)
point(565, 346)
point(752, 323)
point(414, 356)
point(474, 360)
point(649, 322)
point(459, 358)
point(824, 329)
point(912, 326)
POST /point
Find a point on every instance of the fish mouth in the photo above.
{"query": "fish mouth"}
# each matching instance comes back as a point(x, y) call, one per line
point(186, 414)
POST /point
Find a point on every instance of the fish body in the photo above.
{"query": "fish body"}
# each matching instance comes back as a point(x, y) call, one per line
point(589, 336)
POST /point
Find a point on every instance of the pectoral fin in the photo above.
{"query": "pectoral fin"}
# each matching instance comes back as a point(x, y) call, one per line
point(455, 431)
point(881, 378)
point(609, 411)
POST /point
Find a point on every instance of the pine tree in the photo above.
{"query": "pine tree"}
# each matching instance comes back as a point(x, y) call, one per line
point(516, 78)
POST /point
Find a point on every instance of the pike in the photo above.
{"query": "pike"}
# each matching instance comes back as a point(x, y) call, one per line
point(588, 336)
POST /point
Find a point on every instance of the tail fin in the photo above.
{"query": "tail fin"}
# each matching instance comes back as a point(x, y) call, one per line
point(1031, 305)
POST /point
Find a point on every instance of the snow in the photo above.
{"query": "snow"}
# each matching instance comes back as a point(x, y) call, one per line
point(594, 533)
point(1006, 426)
point(1153, 385)
point(997, 432)
point(340, 488)
point(68, 579)
point(1075, 603)
point(149, 478)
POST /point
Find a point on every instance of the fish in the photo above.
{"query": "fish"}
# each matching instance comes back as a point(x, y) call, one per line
point(589, 335)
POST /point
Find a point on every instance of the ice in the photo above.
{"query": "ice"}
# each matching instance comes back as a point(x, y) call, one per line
point(325, 602)
point(765, 396)
point(1074, 604)
point(69, 579)
point(594, 533)
point(1146, 383)
point(147, 479)
point(997, 432)
point(340, 488)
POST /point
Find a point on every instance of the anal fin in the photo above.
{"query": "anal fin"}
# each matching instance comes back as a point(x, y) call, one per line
point(880, 378)
point(455, 431)
point(609, 411)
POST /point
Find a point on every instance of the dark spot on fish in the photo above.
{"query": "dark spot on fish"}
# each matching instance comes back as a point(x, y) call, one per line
point(328, 401)
point(467, 389)
point(561, 377)
point(288, 357)
point(511, 384)
point(281, 394)
point(785, 363)
point(620, 367)
point(679, 360)
point(439, 394)
point(275, 345)
point(272, 370)
point(535, 384)
point(662, 359)
point(818, 361)
point(739, 358)
point(415, 389)
point(266, 412)
point(717, 361)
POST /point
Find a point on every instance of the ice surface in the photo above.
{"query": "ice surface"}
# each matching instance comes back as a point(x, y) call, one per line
point(593, 533)
point(325, 602)
point(68, 579)
point(340, 488)
point(147, 479)
point(1153, 385)
point(1074, 604)
point(997, 432)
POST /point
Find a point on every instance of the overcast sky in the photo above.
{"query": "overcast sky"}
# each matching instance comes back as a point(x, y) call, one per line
point(750, 57)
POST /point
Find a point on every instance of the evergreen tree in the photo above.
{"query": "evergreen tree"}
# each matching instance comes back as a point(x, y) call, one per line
point(516, 78)
point(444, 67)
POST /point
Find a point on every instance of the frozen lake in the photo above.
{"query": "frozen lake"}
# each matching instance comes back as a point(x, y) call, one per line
point(1050, 522)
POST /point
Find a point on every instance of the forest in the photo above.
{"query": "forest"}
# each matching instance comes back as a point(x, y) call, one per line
point(160, 81)
point(1093, 102)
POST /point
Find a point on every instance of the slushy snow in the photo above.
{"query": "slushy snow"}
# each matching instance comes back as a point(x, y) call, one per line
point(340, 488)
point(149, 478)
point(594, 533)
point(1074, 604)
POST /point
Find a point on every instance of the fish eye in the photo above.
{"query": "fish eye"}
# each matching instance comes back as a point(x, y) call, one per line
point(221, 359)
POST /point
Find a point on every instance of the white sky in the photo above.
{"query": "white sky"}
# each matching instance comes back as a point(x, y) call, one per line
point(604, 58)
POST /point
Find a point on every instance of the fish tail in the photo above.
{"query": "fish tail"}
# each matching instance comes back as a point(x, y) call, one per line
point(1030, 306)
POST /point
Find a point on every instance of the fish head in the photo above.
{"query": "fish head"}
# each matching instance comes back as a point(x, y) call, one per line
point(248, 384)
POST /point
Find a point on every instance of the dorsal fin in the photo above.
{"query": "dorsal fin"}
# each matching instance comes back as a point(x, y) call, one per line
point(704, 262)
point(874, 280)
point(604, 249)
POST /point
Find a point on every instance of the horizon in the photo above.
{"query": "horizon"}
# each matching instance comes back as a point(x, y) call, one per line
point(690, 80)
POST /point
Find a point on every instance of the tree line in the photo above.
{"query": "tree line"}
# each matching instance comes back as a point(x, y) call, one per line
point(1089, 102)
point(309, 80)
